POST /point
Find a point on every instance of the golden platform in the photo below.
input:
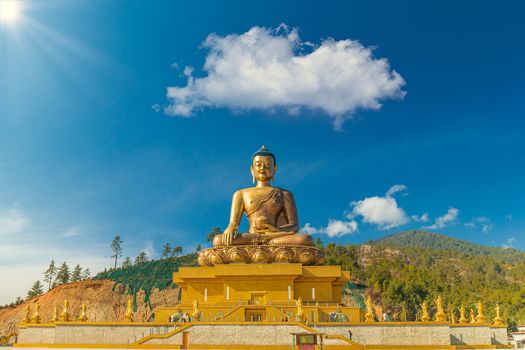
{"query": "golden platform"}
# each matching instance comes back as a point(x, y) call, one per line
point(260, 254)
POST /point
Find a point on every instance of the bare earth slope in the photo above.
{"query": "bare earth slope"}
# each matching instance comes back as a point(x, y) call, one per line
point(103, 304)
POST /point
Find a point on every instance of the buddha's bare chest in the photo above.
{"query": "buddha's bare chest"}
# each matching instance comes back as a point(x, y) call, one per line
point(261, 200)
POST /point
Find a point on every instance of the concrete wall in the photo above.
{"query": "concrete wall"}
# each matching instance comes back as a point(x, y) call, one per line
point(78, 333)
point(230, 334)
point(36, 335)
point(478, 335)
point(499, 335)
point(390, 334)
point(260, 333)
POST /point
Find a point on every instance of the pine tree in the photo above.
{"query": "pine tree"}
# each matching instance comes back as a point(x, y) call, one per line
point(198, 248)
point(86, 274)
point(77, 274)
point(214, 232)
point(50, 274)
point(141, 258)
point(127, 262)
point(63, 274)
point(117, 248)
point(176, 251)
point(36, 290)
point(166, 251)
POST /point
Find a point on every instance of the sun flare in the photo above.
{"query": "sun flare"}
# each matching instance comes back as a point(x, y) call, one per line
point(10, 11)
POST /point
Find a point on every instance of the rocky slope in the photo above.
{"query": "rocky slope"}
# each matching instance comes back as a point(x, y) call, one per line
point(102, 303)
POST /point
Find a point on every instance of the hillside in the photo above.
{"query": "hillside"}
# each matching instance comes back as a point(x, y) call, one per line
point(437, 241)
point(399, 271)
point(103, 303)
point(405, 269)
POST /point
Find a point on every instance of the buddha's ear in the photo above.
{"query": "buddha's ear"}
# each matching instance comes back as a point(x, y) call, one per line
point(274, 168)
point(253, 174)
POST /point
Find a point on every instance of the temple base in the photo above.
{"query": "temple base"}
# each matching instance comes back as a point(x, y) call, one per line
point(261, 254)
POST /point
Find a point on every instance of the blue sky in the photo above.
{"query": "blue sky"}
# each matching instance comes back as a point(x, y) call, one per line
point(91, 145)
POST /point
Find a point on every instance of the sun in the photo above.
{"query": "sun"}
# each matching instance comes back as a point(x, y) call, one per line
point(10, 11)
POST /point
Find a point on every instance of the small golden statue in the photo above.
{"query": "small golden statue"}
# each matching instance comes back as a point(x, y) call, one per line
point(480, 317)
point(300, 312)
point(425, 317)
point(27, 316)
point(65, 316)
point(440, 314)
point(472, 316)
point(369, 316)
point(196, 315)
point(498, 320)
point(36, 315)
point(129, 316)
point(83, 315)
point(55, 315)
point(462, 318)
point(452, 317)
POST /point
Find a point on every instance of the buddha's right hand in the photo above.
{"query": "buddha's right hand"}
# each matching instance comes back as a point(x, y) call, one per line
point(229, 235)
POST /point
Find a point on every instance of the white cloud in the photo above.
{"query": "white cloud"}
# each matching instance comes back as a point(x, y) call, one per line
point(509, 243)
point(381, 211)
point(12, 221)
point(268, 68)
point(335, 228)
point(482, 221)
point(448, 218)
point(420, 218)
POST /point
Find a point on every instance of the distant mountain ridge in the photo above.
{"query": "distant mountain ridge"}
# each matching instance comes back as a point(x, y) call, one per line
point(437, 241)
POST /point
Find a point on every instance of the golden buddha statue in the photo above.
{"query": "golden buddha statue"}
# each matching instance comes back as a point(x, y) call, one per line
point(369, 316)
point(440, 313)
point(54, 318)
point(273, 224)
point(129, 316)
point(65, 316)
point(271, 211)
point(425, 316)
point(36, 316)
point(480, 317)
point(83, 314)
point(462, 318)
point(498, 320)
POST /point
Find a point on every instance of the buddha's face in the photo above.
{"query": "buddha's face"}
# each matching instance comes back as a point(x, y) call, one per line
point(263, 168)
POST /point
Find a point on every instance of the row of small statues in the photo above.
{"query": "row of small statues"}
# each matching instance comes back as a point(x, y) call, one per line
point(440, 315)
point(65, 316)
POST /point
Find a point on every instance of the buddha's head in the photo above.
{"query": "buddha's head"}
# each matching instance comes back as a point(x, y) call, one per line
point(263, 165)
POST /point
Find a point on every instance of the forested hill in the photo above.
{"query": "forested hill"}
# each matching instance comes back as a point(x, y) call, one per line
point(436, 241)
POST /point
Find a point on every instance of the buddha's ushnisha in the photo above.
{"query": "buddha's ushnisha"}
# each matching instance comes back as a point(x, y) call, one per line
point(271, 211)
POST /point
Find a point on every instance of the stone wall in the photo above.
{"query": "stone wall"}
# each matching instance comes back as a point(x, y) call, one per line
point(464, 335)
point(235, 334)
point(90, 333)
point(36, 335)
point(394, 334)
point(384, 333)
